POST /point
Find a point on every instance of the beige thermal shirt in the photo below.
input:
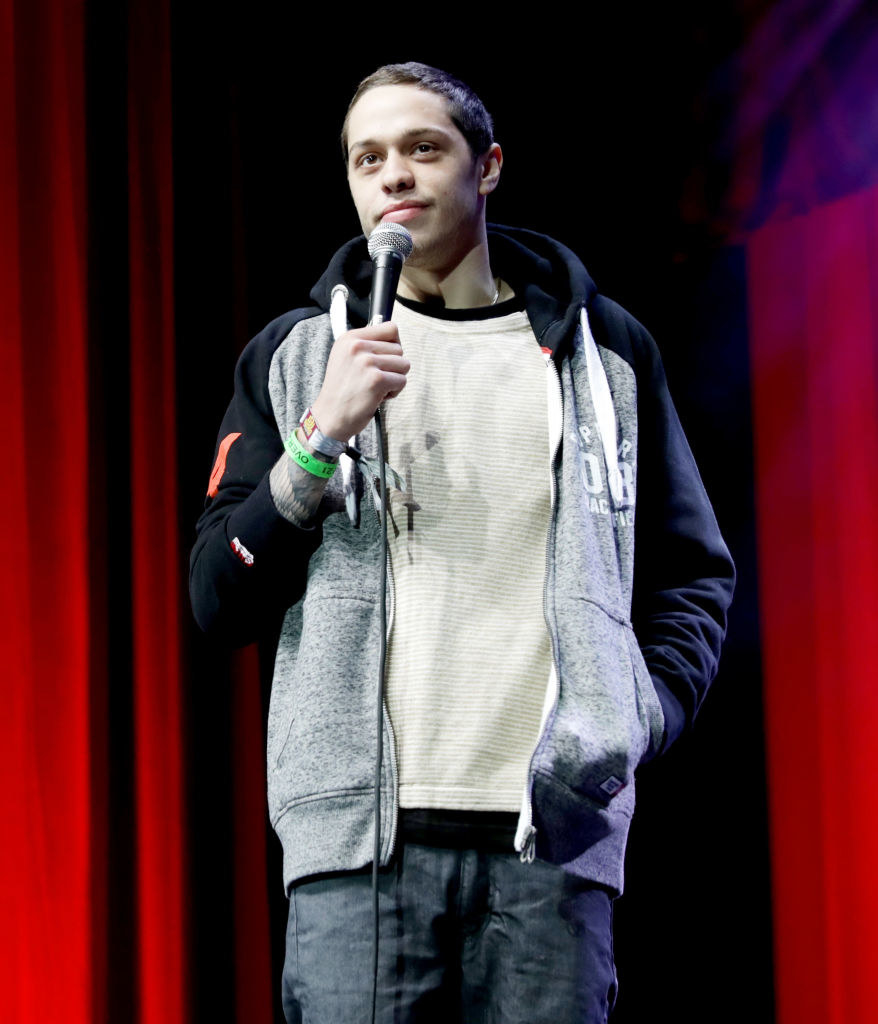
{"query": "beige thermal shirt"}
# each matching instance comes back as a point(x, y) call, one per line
point(469, 655)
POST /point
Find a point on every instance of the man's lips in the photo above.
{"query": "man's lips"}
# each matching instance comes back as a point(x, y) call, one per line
point(402, 212)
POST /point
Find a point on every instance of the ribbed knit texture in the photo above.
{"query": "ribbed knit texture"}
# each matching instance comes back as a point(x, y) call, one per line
point(469, 652)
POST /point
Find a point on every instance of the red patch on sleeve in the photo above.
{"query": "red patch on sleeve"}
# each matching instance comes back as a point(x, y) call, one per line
point(219, 467)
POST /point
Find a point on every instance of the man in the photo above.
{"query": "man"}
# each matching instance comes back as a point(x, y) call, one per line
point(543, 639)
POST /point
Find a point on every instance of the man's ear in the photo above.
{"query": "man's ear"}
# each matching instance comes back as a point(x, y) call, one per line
point(490, 165)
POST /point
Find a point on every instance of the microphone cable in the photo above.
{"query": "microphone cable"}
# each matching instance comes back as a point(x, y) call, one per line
point(382, 655)
point(390, 244)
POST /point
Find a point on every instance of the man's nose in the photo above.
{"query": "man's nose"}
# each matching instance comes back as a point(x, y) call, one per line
point(396, 174)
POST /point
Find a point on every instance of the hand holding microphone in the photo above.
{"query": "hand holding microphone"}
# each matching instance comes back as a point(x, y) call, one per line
point(367, 365)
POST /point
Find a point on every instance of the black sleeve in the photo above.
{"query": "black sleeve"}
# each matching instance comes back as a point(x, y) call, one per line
point(683, 573)
point(249, 563)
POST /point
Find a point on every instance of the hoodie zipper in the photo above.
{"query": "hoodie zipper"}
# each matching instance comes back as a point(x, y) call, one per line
point(526, 833)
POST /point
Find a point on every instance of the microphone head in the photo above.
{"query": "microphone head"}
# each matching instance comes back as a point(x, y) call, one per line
point(391, 237)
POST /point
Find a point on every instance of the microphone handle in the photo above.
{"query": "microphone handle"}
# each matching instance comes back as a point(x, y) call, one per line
point(385, 279)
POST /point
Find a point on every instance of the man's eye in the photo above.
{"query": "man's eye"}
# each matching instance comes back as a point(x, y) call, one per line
point(424, 147)
point(367, 160)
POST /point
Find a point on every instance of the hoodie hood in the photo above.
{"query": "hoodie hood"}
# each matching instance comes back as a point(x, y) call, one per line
point(550, 277)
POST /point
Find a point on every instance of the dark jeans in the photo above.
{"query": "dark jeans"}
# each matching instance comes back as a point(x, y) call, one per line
point(465, 938)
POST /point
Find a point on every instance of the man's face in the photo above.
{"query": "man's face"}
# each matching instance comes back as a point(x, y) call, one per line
point(409, 163)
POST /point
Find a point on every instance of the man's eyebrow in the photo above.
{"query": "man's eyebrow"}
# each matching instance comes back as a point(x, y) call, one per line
point(410, 133)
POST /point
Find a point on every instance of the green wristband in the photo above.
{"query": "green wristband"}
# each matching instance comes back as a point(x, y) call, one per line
point(310, 463)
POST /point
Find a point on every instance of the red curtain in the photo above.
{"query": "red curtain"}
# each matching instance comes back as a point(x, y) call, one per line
point(155, 550)
point(813, 283)
point(64, 662)
point(805, 166)
point(49, 747)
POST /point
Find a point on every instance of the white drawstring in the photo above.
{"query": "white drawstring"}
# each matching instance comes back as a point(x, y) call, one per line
point(605, 412)
point(338, 319)
point(338, 311)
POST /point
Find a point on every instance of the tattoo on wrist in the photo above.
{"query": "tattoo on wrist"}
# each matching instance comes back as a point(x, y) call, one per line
point(295, 491)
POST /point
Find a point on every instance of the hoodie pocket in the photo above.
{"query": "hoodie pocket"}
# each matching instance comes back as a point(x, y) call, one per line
point(320, 734)
point(608, 717)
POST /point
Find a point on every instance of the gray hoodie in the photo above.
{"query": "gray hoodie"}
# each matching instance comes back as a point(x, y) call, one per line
point(638, 578)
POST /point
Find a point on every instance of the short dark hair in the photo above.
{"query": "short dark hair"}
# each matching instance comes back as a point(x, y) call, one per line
point(465, 109)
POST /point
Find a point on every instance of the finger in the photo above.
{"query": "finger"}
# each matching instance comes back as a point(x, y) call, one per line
point(391, 361)
point(380, 349)
point(359, 347)
point(395, 382)
point(377, 332)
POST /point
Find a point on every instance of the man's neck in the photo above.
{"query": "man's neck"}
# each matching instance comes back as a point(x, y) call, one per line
point(468, 285)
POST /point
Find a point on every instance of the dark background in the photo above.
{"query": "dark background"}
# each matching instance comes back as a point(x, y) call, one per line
point(616, 126)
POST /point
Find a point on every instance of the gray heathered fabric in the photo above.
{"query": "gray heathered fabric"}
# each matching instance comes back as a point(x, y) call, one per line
point(608, 716)
point(321, 725)
point(321, 731)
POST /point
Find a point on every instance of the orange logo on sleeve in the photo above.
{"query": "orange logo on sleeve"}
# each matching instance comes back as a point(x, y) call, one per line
point(219, 466)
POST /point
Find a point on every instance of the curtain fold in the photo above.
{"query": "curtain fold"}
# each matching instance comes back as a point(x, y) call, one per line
point(64, 663)
point(156, 562)
point(255, 982)
point(814, 338)
point(46, 740)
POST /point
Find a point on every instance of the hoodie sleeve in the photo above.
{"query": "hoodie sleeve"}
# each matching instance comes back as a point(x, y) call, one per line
point(683, 573)
point(249, 563)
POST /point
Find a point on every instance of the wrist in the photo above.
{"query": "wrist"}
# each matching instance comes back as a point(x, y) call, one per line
point(321, 444)
point(296, 493)
point(314, 463)
point(334, 422)
point(308, 445)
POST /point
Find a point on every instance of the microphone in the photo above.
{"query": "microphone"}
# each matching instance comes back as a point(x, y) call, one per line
point(390, 245)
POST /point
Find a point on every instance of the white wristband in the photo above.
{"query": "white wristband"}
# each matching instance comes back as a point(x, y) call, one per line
point(322, 444)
